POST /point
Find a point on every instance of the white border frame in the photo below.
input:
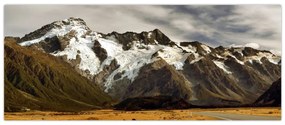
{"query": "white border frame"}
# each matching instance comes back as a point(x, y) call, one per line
point(145, 2)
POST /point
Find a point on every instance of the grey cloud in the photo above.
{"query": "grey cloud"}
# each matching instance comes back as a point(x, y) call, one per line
point(212, 24)
point(213, 12)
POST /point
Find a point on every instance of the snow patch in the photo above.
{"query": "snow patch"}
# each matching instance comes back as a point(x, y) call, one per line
point(254, 58)
point(240, 62)
point(222, 66)
point(271, 58)
point(83, 48)
point(276, 52)
point(227, 53)
point(196, 60)
point(206, 48)
point(111, 47)
point(189, 48)
point(173, 56)
point(239, 50)
point(274, 60)
point(130, 61)
point(149, 35)
point(179, 65)
point(220, 57)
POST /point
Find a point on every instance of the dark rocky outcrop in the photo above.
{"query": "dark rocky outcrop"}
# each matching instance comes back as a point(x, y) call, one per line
point(153, 102)
point(50, 45)
point(100, 52)
point(160, 37)
point(271, 97)
point(38, 33)
point(248, 51)
point(220, 49)
point(126, 39)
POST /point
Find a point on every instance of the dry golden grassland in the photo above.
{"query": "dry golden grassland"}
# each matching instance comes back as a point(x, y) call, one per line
point(264, 111)
point(188, 114)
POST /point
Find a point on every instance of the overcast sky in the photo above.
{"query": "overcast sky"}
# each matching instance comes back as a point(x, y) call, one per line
point(212, 25)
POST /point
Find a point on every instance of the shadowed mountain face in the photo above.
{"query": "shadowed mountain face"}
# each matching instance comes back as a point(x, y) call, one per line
point(149, 64)
point(271, 97)
point(39, 81)
point(159, 78)
point(155, 102)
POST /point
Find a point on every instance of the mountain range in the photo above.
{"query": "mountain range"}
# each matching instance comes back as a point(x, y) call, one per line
point(69, 64)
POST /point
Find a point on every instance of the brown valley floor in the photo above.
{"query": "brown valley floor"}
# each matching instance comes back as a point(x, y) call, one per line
point(264, 113)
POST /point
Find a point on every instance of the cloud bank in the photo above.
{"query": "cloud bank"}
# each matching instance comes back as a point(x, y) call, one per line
point(214, 25)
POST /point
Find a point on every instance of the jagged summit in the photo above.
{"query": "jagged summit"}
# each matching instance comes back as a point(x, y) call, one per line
point(131, 32)
point(63, 24)
point(151, 37)
point(72, 21)
point(72, 26)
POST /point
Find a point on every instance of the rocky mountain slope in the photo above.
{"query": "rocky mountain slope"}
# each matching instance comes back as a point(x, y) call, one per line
point(127, 65)
point(40, 81)
point(271, 97)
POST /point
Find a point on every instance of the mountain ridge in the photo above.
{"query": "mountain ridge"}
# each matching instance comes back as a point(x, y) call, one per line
point(39, 81)
point(116, 61)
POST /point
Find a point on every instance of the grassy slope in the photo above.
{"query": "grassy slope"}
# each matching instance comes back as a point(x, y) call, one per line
point(40, 81)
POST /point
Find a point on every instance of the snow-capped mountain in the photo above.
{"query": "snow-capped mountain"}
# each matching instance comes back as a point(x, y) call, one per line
point(149, 64)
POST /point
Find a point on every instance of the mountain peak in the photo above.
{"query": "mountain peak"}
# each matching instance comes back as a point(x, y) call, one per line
point(157, 30)
point(73, 21)
point(72, 26)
